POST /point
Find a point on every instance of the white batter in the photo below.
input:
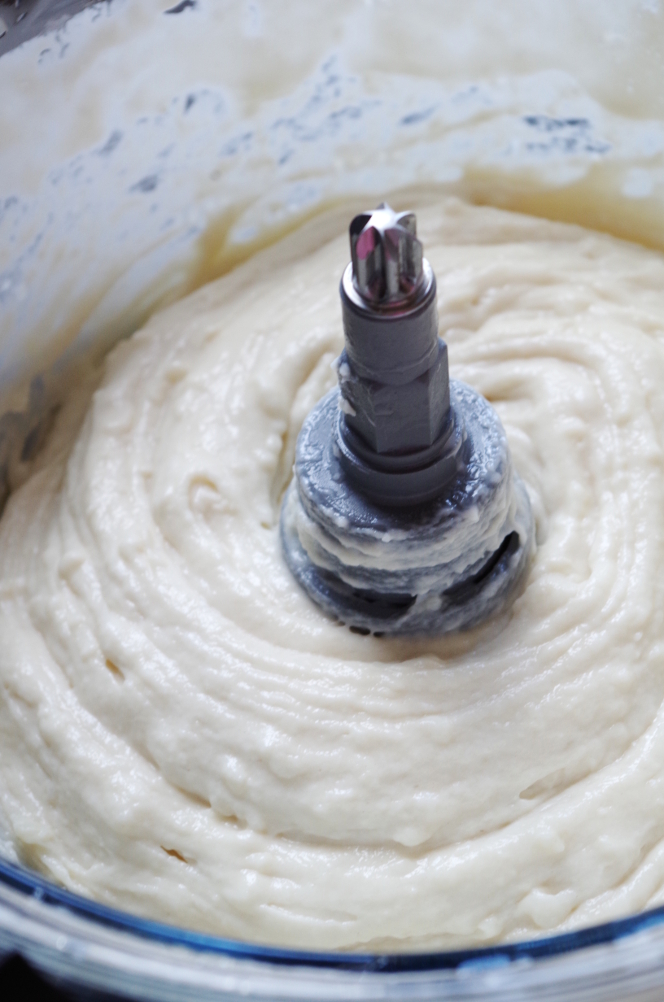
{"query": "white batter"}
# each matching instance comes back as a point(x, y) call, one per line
point(184, 735)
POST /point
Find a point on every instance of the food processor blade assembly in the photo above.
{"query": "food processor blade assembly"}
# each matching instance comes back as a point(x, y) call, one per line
point(405, 514)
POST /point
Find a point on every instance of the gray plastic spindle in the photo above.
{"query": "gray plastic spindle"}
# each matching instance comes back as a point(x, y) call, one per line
point(393, 372)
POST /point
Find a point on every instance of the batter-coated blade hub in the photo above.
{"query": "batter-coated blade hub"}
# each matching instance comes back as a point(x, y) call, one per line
point(404, 514)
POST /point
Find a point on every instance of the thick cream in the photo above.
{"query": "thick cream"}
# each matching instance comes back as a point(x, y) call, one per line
point(184, 735)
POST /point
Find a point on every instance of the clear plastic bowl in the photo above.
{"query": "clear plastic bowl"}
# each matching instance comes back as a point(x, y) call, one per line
point(147, 149)
point(86, 946)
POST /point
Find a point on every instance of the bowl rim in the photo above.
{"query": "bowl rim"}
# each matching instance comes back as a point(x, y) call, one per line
point(33, 885)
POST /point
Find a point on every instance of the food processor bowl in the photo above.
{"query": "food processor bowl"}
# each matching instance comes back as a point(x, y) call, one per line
point(147, 147)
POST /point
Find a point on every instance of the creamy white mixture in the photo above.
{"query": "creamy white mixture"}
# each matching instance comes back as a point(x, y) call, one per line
point(184, 735)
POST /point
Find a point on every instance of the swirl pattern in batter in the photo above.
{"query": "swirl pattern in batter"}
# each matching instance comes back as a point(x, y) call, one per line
point(184, 735)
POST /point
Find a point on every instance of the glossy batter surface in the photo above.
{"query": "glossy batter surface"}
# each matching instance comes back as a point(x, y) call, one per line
point(184, 735)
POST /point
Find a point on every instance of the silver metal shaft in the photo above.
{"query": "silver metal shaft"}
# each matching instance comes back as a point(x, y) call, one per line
point(386, 256)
